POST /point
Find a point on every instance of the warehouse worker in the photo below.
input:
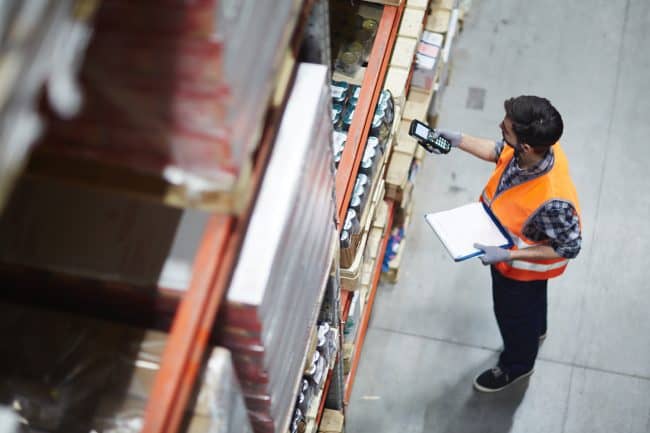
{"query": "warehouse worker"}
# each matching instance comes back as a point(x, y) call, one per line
point(533, 196)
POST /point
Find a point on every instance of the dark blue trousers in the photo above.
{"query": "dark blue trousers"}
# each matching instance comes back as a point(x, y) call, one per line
point(520, 308)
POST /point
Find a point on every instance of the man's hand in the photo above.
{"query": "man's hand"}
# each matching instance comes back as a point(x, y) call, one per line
point(493, 254)
point(454, 137)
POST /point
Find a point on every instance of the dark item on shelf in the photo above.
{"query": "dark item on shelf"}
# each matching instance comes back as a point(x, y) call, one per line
point(380, 128)
point(340, 92)
point(376, 143)
point(396, 236)
point(337, 115)
point(387, 104)
point(346, 118)
point(345, 239)
point(352, 222)
point(355, 91)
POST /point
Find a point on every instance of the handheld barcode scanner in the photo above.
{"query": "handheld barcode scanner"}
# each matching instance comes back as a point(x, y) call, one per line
point(428, 138)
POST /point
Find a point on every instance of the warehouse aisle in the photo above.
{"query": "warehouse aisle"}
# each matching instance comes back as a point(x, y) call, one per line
point(434, 331)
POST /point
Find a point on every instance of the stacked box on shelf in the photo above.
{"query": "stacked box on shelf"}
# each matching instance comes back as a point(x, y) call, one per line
point(399, 168)
point(427, 65)
point(397, 80)
point(64, 373)
point(415, 108)
point(332, 422)
point(443, 20)
point(277, 286)
point(186, 97)
point(417, 4)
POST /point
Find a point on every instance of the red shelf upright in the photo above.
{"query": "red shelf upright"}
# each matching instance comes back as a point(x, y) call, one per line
point(370, 89)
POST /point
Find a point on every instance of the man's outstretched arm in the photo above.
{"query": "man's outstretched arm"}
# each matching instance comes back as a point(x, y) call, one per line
point(480, 147)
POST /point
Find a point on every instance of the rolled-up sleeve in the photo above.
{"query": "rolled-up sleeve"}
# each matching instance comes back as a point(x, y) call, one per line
point(498, 148)
point(558, 222)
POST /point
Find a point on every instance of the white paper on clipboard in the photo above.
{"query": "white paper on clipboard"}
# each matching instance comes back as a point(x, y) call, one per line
point(460, 228)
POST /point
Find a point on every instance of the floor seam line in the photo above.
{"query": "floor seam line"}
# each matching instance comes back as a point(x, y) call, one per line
point(565, 418)
point(617, 81)
point(549, 360)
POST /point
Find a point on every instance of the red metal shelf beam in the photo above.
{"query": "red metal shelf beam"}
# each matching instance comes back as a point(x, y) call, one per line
point(371, 87)
point(197, 312)
point(196, 315)
point(191, 328)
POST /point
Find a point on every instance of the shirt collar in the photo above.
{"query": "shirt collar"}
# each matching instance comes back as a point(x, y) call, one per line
point(541, 167)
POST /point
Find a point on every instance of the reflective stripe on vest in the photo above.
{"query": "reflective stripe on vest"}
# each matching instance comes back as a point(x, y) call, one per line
point(514, 206)
point(537, 267)
point(532, 266)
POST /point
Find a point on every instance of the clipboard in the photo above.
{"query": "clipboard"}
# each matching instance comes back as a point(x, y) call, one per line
point(460, 228)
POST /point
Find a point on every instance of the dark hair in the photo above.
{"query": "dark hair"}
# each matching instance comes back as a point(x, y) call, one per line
point(534, 120)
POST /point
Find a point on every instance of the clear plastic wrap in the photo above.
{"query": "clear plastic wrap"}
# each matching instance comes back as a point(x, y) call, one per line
point(177, 89)
point(40, 42)
point(270, 315)
point(68, 374)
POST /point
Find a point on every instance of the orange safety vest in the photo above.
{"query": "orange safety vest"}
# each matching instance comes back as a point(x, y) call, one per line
point(516, 205)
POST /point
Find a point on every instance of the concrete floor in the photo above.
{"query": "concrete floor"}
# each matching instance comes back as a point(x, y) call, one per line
point(434, 330)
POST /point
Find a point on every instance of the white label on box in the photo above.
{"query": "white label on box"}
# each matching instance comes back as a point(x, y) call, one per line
point(424, 62)
point(337, 92)
point(339, 139)
point(432, 38)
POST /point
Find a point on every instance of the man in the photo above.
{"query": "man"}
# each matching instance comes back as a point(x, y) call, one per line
point(533, 196)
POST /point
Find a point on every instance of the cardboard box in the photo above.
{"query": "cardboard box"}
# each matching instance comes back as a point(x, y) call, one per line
point(396, 79)
point(438, 21)
point(403, 52)
point(398, 169)
point(412, 22)
point(417, 4)
point(332, 421)
point(443, 4)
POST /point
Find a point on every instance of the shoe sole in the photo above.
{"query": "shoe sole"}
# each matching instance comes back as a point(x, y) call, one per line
point(484, 389)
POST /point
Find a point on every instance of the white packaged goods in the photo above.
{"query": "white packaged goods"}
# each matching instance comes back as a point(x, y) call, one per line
point(278, 283)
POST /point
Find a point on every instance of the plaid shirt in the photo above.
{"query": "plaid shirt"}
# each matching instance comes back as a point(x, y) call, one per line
point(556, 221)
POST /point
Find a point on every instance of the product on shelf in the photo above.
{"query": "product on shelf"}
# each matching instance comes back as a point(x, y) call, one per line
point(63, 373)
point(344, 99)
point(396, 236)
point(173, 90)
point(427, 58)
point(315, 375)
point(42, 43)
point(273, 301)
point(358, 40)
